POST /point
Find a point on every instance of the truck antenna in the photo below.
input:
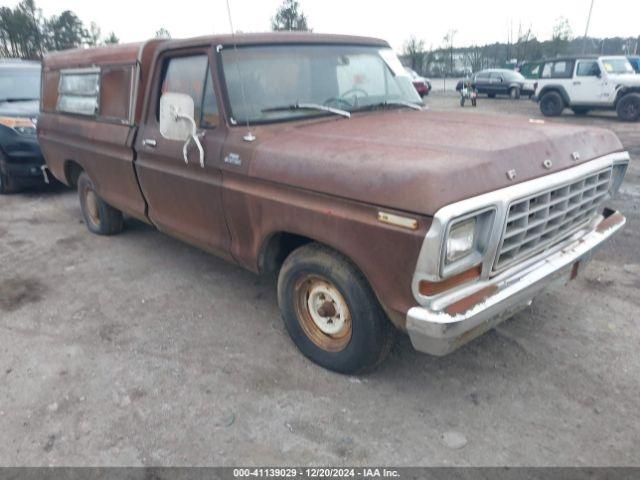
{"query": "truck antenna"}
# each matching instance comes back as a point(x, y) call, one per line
point(249, 137)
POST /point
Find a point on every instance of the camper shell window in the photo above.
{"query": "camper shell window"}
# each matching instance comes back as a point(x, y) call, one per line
point(79, 91)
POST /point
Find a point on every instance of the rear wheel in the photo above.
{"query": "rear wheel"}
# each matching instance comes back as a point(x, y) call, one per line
point(580, 110)
point(330, 311)
point(100, 217)
point(628, 108)
point(551, 104)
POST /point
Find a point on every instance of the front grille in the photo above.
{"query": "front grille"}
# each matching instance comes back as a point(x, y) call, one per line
point(538, 222)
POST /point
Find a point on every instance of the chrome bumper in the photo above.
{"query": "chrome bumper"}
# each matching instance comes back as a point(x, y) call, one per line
point(441, 332)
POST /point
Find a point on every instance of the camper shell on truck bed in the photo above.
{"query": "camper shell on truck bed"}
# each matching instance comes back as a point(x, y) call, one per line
point(316, 161)
point(98, 95)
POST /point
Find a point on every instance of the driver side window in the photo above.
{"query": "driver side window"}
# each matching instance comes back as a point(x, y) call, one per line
point(191, 75)
point(588, 69)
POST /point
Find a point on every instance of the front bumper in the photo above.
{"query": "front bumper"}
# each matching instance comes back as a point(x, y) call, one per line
point(441, 332)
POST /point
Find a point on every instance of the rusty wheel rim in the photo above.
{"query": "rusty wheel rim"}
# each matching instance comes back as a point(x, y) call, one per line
point(91, 202)
point(323, 313)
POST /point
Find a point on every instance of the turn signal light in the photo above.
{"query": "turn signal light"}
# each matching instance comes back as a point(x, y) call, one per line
point(429, 289)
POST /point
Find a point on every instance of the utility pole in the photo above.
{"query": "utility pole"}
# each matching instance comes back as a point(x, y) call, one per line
point(586, 30)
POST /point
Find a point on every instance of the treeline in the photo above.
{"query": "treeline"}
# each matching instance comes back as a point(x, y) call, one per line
point(449, 60)
point(26, 33)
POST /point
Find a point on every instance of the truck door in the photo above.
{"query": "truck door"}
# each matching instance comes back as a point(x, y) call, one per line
point(587, 85)
point(184, 199)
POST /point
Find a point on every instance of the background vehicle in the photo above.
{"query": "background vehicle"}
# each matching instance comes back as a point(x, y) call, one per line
point(634, 60)
point(423, 85)
point(316, 174)
point(587, 83)
point(531, 72)
point(20, 156)
point(497, 81)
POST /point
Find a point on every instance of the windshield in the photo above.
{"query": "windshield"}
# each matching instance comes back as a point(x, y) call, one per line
point(617, 65)
point(19, 83)
point(345, 77)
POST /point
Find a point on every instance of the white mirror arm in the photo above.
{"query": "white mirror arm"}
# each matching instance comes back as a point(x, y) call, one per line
point(193, 136)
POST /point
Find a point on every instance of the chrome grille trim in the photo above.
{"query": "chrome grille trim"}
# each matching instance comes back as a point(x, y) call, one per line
point(538, 221)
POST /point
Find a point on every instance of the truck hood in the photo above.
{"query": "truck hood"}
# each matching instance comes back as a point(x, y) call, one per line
point(420, 161)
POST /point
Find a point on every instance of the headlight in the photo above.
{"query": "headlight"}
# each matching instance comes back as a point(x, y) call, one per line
point(466, 241)
point(460, 240)
point(23, 126)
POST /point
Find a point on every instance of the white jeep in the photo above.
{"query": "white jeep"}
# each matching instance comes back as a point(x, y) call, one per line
point(588, 83)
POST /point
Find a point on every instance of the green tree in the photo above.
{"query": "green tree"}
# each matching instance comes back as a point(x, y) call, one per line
point(66, 31)
point(111, 39)
point(414, 53)
point(290, 17)
point(561, 36)
point(94, 35)
point(163, 33)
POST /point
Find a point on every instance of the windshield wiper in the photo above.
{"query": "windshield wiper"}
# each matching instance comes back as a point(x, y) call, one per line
point(392, 103)
point(308, 106)
point(17, 99)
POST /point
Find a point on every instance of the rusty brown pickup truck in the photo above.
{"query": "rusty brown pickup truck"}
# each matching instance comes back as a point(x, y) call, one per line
point(311, 157)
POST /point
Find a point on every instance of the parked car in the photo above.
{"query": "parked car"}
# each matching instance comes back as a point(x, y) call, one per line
point(531, 72)
point(496, 81)
point(588, 83)
point(422, 85)
point(634, 60)
point(20, 158)
point(316, 174)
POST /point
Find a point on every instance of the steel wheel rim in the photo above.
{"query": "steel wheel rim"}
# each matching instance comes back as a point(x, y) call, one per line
point(91, 202)
point(323, 313)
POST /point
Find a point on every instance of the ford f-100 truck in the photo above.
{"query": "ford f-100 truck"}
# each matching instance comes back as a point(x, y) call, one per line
point(311, 157)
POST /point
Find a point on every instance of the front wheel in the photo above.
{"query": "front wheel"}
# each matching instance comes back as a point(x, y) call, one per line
point(462, 101)
point(100, 217)
point(628, 108)
point(514, 93)
point(330, 311)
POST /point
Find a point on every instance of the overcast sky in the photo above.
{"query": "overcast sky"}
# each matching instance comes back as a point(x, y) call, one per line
point(478, 22)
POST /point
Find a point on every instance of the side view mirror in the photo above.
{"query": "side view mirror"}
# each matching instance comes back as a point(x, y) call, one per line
point(177, 123)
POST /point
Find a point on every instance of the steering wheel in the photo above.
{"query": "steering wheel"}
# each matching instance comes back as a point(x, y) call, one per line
point(353, 91)
point(342, 98)
point(337, 101)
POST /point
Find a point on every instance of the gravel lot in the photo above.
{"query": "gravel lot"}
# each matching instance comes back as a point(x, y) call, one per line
point(140, 350)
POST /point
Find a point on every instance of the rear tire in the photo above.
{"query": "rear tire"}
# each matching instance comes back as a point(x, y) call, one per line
point(330, 311)
point(551, 104)
point(99, 217)
point(628, 108)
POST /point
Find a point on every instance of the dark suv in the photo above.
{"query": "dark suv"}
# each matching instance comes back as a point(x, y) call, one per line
point(21, 161)
point(497, 81)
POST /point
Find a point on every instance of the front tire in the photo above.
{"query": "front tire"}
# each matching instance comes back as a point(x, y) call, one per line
point(628, 108)
point(99, 217)
point(514, 93)
point(330, 311)
point(551, 104)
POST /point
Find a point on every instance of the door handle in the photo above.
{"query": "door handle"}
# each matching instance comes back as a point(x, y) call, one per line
point(577, 83)
point(149, 142)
